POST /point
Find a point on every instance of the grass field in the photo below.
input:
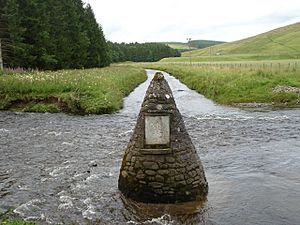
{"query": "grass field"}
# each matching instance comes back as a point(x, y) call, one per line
point(270, 65)
point(91, 91)
point(192, 45)
point(233, 85)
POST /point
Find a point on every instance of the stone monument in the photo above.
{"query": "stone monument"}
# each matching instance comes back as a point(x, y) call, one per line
point(160, 164)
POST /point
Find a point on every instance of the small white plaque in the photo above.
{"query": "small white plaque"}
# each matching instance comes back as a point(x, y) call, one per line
point(157, 130)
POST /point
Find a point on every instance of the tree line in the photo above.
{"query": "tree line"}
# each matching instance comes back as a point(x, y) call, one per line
point(63, 34)
point(203, 43)
point(52, 34)
point(145, 52)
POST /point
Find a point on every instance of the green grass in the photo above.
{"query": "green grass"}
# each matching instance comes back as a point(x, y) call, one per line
point(194, 44)
point(6, 219)
point(232, 57)
point(90, 91)
point(231, 86)
point(284, 65)
point(15, 222)
point(281, 43)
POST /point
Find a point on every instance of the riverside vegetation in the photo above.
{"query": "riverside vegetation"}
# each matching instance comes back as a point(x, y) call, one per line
point(233, 86)
point(15, 222)
point(5, 219)
point(87, 91)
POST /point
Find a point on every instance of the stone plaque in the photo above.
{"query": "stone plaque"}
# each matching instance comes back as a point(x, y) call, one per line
point(157, 130)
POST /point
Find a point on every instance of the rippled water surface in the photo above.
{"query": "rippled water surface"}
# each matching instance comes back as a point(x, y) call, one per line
point(58, 168)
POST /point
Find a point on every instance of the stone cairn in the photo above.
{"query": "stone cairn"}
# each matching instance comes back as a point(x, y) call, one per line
point(160, 163)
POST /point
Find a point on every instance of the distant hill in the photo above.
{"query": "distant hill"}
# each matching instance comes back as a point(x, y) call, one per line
point(179, 45)
point(281, 41)
point(204, 43)
point(192, 45)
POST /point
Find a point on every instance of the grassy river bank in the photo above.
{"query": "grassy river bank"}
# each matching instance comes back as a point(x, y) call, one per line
point(90, 91)
point(244, 87)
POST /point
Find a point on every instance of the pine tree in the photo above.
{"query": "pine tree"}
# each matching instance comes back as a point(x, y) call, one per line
point(98, 55)
point(52, 34)
point(11, 18)
point(136, 52)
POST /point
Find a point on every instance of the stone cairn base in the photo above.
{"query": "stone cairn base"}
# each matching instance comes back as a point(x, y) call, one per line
point(160, 163)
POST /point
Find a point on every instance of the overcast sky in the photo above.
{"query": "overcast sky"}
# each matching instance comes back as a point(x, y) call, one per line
point(177, 20)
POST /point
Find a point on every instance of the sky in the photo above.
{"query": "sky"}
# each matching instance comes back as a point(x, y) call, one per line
point(176, 20)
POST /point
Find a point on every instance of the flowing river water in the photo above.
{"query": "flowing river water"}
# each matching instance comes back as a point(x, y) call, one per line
point(58, 168)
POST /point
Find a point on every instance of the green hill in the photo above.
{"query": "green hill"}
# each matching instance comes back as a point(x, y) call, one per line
point(179, 45)
point(192, 45)
point(281, 43)
point(204, 43)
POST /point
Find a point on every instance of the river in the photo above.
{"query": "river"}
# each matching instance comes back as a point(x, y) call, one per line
point(59, 168)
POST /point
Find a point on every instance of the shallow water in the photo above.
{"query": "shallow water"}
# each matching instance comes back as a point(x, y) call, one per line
point(58, 168)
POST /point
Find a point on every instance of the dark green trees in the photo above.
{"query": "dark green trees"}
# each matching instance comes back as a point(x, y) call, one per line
point(52, 34)
point(146, 52)
point(97, 48)
point(63, 34)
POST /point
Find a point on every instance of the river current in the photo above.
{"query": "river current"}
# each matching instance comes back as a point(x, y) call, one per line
point(59, 168)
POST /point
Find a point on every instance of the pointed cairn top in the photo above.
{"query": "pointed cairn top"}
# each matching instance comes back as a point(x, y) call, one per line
point(158, 76)
point(160, 163)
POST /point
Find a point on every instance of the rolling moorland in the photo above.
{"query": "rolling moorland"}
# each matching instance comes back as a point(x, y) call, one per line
point(281, 43)
point(191, 45)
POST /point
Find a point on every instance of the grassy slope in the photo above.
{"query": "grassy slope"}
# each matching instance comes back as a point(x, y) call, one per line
point(76, 91)
point(178, 45)
point(232, 86)
point(281, 43)
point(204, 43)
point(195, 44)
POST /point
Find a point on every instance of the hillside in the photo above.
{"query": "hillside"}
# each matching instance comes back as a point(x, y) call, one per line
point(204, 43)
point(177, 45)
point(192, 45)
point(281, 41)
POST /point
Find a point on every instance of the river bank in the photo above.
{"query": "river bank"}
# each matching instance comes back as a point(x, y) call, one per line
point(239, 87)
point(86, 91)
